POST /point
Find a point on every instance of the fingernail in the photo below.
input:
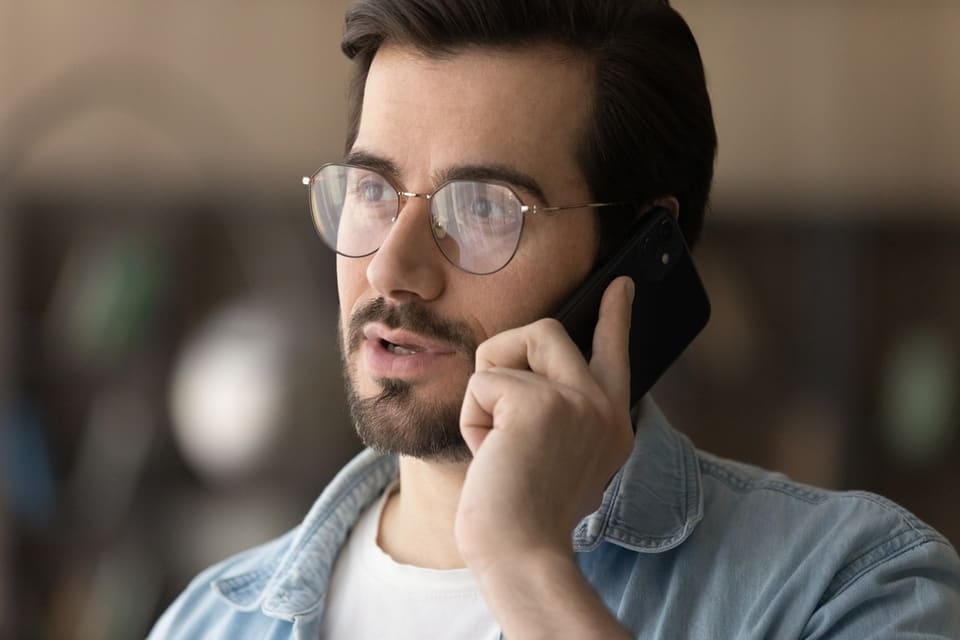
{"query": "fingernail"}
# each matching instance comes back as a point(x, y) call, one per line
point(631, 290)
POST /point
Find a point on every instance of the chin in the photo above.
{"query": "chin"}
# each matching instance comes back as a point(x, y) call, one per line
point(407, 419)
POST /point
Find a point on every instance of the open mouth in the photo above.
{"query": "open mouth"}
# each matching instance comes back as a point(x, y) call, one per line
point(401, 353)
point(399, 349)
point(402, 342)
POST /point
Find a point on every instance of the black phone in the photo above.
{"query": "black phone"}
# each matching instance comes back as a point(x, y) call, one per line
point(670, 306)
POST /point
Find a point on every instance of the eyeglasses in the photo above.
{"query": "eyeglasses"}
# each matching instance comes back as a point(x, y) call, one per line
point(476, 225)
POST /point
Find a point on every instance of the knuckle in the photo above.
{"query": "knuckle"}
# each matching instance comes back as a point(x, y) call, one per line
point(482, 349)
point(473, 379)
point(549, 327)
point(485, 352)
point(547, 332)
point(480, 377)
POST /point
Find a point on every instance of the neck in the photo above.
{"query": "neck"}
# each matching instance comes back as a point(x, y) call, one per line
point(417, 523)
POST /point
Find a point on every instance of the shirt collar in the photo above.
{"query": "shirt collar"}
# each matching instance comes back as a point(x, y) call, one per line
point(655, 501)
point(652, 505)
point(302, 579)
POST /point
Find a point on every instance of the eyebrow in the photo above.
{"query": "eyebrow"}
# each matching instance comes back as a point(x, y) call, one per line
point(368, 160)
point(480, 172)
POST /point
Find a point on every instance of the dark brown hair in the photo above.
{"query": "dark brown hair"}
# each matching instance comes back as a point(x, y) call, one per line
point(651, 130)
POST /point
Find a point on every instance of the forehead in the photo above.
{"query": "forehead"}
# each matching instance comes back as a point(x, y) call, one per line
point(523, 107)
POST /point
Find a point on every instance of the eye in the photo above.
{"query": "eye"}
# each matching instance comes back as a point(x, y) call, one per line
point(468, 207)
point(372, 189)
point(368, 188)
point(484, 208)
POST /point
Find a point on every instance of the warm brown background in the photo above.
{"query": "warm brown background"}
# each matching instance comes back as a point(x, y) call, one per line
point(150, 156)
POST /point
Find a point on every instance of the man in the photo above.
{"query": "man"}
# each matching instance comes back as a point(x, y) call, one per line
point(494, 443)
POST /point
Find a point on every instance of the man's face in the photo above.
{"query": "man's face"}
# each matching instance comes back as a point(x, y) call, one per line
point(411, 320)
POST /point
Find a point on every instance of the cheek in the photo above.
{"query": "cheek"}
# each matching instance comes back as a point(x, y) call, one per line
point(534, 285)
point(351, 283)
point(559, 260)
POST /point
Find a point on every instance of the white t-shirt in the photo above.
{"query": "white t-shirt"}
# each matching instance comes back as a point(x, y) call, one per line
point(372, 597)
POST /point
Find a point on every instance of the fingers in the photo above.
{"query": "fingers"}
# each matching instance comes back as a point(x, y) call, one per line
point(490, 395)
point(476, 412)
point(610, 363)
point(545, 348)
point(542, 347)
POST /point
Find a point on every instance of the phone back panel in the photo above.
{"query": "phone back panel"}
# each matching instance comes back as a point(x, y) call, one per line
point(670, 306)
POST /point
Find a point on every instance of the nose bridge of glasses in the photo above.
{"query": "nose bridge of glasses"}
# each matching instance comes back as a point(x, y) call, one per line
point(438, 219)
point(403, 196)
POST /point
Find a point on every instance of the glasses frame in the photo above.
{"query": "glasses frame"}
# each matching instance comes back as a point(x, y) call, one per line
point(403, 196)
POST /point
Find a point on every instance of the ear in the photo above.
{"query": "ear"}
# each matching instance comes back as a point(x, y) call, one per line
point(669, 203)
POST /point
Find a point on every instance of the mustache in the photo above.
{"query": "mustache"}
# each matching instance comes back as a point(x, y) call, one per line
point(414, 317)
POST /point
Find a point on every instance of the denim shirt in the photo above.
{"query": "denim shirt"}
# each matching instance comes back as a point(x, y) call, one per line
point(684, 545)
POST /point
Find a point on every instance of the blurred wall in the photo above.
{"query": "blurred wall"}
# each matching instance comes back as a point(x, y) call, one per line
point(154, 237)
point(832, 105)
point(823, 103)
point(270, 75)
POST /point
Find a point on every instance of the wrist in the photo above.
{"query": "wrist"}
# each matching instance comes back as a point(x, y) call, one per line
point(525, 568)
point(543, 594)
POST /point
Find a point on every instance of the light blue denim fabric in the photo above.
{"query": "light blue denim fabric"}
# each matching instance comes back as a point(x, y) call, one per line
point(685, 545)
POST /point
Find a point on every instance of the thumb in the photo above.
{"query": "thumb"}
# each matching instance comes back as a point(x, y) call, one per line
point(610, 363)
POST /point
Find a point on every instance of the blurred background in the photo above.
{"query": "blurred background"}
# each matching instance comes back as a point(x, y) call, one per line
point(169, 384)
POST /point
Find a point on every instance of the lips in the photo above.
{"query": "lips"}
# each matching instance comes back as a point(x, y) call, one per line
point(401, 354)
point(398, 349)
point(404, 343)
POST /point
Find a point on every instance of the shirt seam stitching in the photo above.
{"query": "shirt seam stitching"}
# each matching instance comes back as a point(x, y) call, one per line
point(740, 484)
point(851, 572)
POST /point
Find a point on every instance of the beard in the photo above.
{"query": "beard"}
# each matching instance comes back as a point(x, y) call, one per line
point(398, 420)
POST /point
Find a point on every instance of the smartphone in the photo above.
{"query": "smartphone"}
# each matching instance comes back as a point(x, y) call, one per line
point(670, 306)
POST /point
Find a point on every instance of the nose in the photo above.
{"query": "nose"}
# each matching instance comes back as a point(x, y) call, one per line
point(408, 263)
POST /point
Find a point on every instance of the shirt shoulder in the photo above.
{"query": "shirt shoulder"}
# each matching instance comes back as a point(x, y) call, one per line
point(265, 591)
point(741, 495)
point(828, 560)
point(723, 549)
point(223, 595)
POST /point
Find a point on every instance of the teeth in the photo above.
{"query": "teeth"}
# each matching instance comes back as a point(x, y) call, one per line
point(399, 350)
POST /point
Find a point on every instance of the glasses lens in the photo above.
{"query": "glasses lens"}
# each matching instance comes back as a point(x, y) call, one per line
point(477, 225)
point(352, 208)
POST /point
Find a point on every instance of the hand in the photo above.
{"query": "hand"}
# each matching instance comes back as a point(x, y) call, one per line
point(547, 431)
